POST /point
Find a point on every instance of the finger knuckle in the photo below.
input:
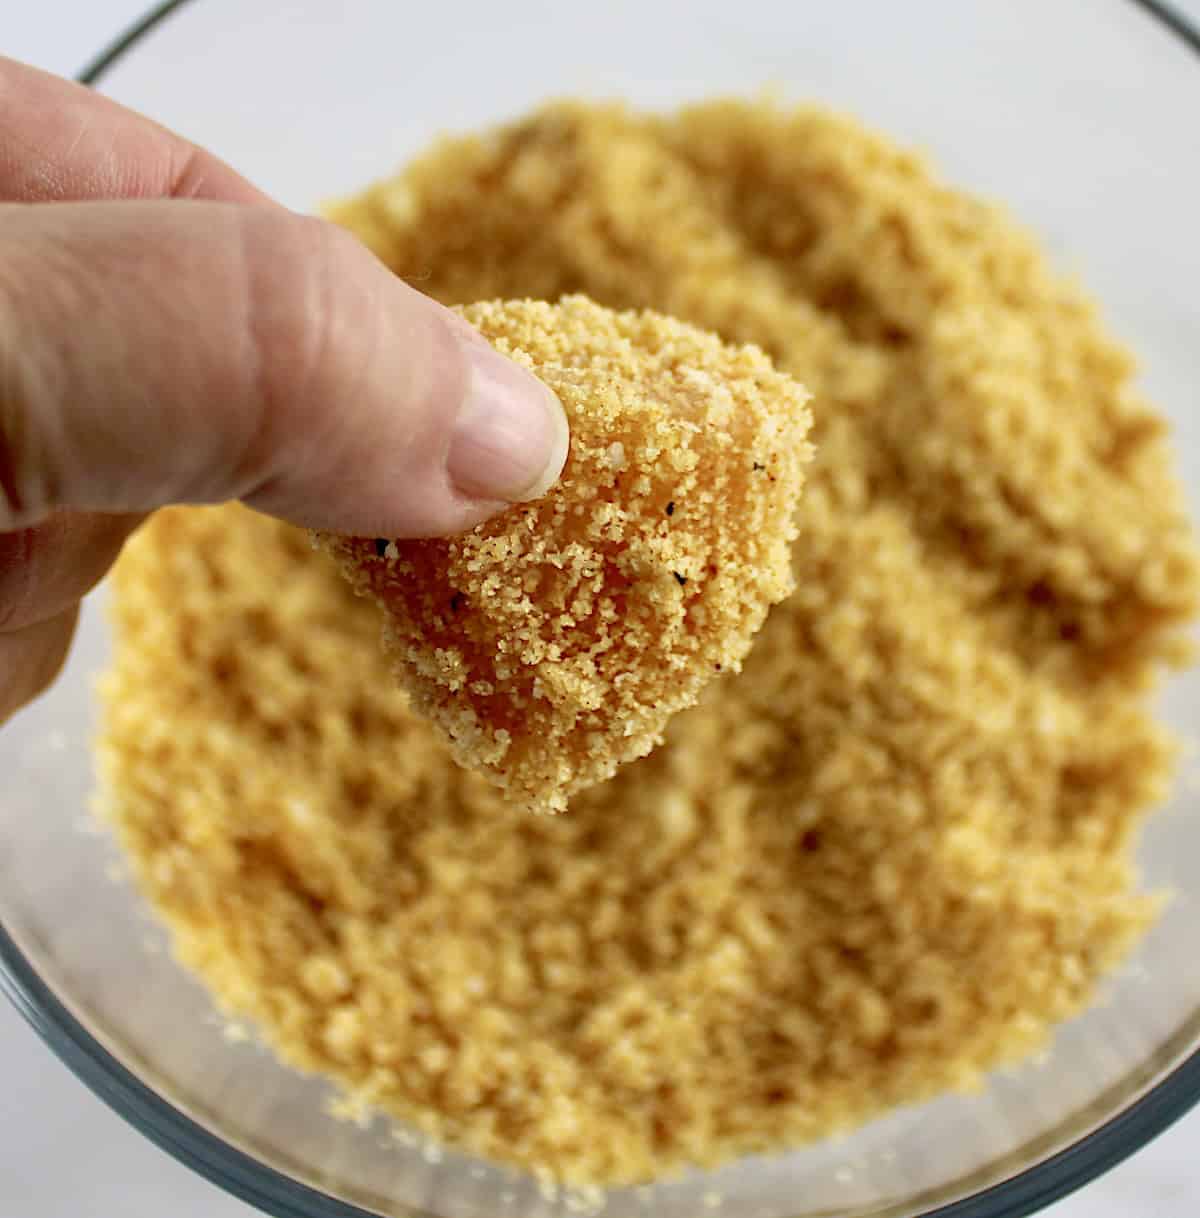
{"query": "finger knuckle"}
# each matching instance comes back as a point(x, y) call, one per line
point(312, 325)
point(29, 389)
point(288, 312)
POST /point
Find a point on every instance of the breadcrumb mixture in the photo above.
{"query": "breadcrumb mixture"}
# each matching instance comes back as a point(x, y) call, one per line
point(554, 642)
point(886, 857)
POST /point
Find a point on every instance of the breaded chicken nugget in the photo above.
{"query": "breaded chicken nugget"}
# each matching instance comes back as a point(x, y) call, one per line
point(553, 642)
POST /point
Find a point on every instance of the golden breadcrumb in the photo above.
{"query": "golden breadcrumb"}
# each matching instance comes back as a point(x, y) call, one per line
point(891, 853)
point(553, 642)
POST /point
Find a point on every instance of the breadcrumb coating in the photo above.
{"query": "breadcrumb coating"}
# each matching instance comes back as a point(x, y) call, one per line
point(553, 642)
point(889, 855)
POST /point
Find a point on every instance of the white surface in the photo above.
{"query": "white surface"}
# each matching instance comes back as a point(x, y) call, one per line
point(64, 1155)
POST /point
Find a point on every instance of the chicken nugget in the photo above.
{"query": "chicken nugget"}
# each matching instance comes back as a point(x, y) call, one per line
point(553, 642)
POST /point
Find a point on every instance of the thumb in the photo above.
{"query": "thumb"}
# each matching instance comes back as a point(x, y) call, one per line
point(158, 352)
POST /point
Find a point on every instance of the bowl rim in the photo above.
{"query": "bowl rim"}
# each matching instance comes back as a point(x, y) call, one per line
point(1157, 1105)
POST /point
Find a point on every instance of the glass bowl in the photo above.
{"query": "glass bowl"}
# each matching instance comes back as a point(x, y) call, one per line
point(1072, 112)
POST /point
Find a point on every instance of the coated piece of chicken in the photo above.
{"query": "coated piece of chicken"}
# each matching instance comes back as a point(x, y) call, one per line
point(553, 643)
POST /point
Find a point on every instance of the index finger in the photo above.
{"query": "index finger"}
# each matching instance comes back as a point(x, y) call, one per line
point(60, 141)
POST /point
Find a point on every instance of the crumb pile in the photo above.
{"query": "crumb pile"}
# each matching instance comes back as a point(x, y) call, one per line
point(887, 856)
point(553, 642)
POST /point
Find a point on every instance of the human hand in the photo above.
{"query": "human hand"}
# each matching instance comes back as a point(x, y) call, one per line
point(169, 334)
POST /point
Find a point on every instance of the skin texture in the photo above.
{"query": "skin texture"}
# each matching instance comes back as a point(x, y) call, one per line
point(191, 341)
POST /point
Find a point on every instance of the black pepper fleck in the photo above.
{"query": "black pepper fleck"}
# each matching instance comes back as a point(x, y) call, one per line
point(679, 579)
point(381, 545)
point(671, 508)
point(758, 465)
point(455, 601)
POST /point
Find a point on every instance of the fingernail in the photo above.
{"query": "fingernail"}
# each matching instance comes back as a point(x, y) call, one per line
point(510, 438)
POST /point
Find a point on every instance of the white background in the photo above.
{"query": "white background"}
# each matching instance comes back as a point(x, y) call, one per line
point(64, 1155)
